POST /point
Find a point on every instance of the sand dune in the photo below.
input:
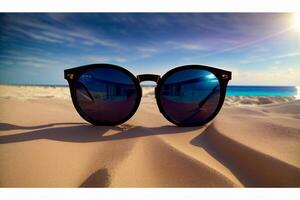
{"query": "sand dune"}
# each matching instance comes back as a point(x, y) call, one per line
point(45, 143)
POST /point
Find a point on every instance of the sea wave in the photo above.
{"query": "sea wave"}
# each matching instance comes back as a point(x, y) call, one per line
point(33, 92)
point(256, 100)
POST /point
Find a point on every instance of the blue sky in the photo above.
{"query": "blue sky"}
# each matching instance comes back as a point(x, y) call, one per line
point(260, 49)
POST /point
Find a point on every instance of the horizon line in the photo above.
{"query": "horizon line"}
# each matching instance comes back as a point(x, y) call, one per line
point(147, 85)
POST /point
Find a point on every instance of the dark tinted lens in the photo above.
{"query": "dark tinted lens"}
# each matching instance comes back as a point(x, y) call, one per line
point(190, 96)
point(106, 95)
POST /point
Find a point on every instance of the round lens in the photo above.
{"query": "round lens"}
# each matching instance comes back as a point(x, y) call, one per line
point(106, 95)
point(189, 97)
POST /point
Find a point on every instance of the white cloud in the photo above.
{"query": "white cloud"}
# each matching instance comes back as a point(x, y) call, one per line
point(35, 35)
point(103, 59)
point(147, 49)
point(38, 30)
point(291, 54)
point(119, 59)
point(248, 43)
point(97, 59)
point(277, 59)
point(186, 45)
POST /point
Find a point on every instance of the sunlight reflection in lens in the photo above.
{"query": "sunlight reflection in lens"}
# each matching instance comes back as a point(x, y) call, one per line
point(296, 20)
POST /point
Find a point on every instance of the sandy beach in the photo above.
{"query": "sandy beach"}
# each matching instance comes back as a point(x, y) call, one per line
point(253, 142)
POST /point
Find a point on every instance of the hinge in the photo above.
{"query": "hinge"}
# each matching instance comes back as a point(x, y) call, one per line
point(225, 76)
point(70, 76)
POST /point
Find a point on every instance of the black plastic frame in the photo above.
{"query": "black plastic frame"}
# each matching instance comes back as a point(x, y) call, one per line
point(71, 75)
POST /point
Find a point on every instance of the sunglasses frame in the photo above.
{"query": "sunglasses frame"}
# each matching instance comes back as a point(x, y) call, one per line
point(72, 75)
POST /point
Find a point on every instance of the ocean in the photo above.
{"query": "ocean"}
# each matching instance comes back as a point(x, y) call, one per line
point(263, 91)
point(232, 90)
point(276, 91)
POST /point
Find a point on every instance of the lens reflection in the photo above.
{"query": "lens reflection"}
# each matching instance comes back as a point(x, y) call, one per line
point(105, 95)
point(190, 96)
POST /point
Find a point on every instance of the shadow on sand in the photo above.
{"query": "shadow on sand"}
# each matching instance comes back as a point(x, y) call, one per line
point(204, 141)
point(89, 133)
point(8, 127)
point(251, 167)
point(100, 178)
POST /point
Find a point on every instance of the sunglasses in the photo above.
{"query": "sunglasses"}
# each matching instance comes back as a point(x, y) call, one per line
point(105, 94)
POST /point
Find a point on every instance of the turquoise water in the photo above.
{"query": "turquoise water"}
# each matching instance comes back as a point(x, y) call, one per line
point(234, 90)
point(263, 91)
point(266, 91)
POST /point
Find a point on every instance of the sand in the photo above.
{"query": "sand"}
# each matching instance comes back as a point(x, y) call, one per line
point(45, 143)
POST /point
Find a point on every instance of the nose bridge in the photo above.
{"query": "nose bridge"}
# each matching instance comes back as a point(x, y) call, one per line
point(148, 77)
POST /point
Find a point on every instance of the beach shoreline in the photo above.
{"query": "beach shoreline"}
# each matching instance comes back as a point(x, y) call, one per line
point(26, 92)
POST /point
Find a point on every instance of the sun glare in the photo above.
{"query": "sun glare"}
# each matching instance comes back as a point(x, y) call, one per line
point(296, 20)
